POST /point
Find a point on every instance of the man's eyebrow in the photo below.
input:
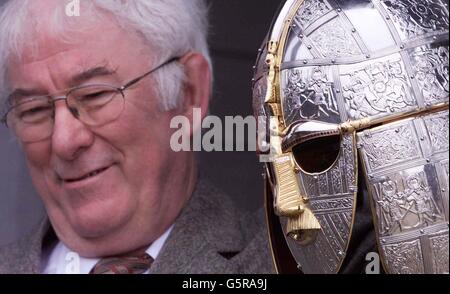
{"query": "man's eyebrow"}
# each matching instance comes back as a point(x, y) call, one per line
point(88, 74)
point(26, 93)
point(75, 80)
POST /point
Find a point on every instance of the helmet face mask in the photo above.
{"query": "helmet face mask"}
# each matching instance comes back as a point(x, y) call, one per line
point(335, 96)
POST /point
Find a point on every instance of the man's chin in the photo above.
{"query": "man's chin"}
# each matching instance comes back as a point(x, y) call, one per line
point(91, 232)
point(97, 238)
point(96, 227)
point(96, 219)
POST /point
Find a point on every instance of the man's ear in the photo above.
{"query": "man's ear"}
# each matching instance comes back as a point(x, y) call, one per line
point(196, 88)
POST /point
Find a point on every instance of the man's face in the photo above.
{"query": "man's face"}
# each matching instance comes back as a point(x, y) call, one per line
point(109, 185)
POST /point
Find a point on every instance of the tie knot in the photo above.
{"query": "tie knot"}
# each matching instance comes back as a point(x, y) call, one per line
point(123, 265)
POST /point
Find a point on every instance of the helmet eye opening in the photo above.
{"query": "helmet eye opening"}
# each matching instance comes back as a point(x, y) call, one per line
point(317, 155)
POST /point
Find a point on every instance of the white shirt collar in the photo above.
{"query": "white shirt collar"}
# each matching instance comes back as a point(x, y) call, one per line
point(61, 260)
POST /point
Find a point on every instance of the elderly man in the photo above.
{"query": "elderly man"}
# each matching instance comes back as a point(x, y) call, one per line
point(90, 99)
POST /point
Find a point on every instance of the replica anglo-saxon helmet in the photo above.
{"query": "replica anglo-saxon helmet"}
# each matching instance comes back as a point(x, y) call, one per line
point(353, 96)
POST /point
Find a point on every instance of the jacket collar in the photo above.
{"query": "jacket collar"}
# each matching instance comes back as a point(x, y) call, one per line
point(206, 235)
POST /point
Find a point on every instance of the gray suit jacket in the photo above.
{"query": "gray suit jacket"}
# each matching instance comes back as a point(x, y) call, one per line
point(210, 236)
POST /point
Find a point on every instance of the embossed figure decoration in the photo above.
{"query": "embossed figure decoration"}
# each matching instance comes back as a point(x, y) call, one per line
point(377, 88)
point(419, 197)
point(355, 97)
point(309, 97)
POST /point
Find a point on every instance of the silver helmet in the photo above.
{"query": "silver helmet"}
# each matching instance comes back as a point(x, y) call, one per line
point(355, 94)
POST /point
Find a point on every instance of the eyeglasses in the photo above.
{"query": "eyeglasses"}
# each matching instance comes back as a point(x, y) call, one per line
point(32, 119)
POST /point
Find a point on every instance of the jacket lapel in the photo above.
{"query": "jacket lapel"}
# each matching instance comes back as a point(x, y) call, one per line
point(24, 257)
point(205, 236)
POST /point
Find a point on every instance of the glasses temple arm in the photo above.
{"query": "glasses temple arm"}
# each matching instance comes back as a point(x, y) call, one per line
point(132, 82)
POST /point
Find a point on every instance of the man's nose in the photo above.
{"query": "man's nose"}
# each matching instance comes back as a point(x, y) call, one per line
point(70, 135)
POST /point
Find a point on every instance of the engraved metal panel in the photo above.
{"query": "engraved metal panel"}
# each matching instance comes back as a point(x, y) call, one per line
point(332, 40)
point(308, 93)
point(438, 131)
point(405, 257)
point(408, 210)
point(439, 247)
point(443, 178)
point(430, 66)
point(389, 147)
point(377, 88)
point(310, 11)
point(405, 190)
point(406, 201)
point(332, 199)
point(415, 18)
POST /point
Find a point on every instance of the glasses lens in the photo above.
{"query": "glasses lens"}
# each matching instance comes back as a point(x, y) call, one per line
point(31, 120)
point(96, 105)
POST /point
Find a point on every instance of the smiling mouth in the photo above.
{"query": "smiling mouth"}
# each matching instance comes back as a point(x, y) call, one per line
point(89, 175)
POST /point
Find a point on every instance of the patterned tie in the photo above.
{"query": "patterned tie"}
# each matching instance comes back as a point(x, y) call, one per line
point(123, 265)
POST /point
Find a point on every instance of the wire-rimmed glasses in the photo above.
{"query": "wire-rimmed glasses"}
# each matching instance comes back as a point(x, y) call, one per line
point(32, 118)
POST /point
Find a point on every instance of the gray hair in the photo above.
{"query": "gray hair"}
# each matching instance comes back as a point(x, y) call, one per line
point(169, 27)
